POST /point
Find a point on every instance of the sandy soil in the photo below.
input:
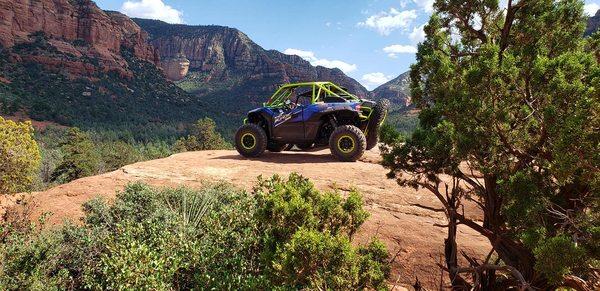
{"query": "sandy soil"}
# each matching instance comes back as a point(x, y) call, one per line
point(408, 230)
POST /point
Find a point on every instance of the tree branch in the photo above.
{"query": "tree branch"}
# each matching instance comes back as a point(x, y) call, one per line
point(508, 269)
point(511, 11)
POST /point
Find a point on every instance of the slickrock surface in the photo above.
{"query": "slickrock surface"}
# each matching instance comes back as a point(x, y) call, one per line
point(408, 230)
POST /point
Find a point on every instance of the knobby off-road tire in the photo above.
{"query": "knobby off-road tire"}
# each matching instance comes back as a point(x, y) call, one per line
point(379, 112)
point(276, 147)
point(347, 143)
point(250, 140)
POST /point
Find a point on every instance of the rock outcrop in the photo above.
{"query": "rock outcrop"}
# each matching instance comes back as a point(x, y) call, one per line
point(176, 68)
point(223, 54)
point(69, 62)
point(78, 28)
point(593, 24)
point(396, 90)
point(397, 216)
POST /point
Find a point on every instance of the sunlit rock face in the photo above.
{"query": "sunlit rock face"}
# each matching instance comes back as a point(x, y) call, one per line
point(75, 28)
point(176, 68)
point(223, 55)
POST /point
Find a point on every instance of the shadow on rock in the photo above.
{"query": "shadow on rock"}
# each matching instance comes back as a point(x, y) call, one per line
point(286, 158)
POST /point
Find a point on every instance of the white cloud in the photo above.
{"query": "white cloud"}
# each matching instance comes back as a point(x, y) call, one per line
point(310, 56)
point(327, 23)
point(591, 9)
point(373, 80)
point(418, 34)
point(426, 5)
point(152, 9)
point(395, 49)
point(386, 22)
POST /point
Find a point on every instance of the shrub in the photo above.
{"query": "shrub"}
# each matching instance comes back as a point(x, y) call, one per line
point(389, 135)
point(306, 237)
point(116, 154)
point(19, 156)
point(215, 238)
point(80, 159)
point(204, 137)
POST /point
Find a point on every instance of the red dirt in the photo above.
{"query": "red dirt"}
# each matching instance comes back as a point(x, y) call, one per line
point(38, 125)
point(407, 230)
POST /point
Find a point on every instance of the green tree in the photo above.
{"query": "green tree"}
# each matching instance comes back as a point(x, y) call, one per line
point(307, 238)
point(81, 158)
point(204, 136)
point(510, 105)
point(116, 154)
point(19, 156)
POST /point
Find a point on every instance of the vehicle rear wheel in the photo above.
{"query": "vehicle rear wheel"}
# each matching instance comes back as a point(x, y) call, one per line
point(276, 147)
point(250, 140)
point(304, 146)
point(377, 117)
point(347, 143)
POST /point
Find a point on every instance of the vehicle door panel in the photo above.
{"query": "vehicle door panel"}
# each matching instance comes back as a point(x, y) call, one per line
point(289, 125)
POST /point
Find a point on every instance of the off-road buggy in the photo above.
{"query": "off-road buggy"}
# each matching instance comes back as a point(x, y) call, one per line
point(312, 114)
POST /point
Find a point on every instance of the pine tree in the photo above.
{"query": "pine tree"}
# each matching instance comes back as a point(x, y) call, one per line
point(510, 103)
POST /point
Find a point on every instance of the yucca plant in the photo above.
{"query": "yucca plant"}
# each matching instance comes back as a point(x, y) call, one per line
point(191, 205)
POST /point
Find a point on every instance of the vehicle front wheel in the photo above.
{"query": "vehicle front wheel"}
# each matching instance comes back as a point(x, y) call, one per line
point(250, 140)
point(347, 143)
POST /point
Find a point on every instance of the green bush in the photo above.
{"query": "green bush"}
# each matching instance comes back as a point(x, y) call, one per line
point(216, 237)
point(81, 159)
point(306, 237)
point(19, 156)
point(204, 137)
point(116, 154)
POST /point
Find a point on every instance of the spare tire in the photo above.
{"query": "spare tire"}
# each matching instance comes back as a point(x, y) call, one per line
point(375, 121)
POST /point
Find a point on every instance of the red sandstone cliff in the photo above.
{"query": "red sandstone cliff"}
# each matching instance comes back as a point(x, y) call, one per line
point(74, 27)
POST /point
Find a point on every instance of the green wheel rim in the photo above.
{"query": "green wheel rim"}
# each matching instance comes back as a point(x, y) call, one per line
point(346, 144)
point(248, 141)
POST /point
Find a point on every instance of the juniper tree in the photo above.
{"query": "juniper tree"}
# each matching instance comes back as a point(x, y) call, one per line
point(510, 105)
point(81, 157)
point(19, 156)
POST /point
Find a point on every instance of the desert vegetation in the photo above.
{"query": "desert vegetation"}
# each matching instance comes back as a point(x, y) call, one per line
point(285, 234)
point(509, 122)
point(19, 156)
point(35, 160)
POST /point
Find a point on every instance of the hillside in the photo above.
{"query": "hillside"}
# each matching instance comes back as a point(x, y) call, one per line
point(226, 66)
point(402, 114)
point(72, 63)
point(396, 90)
point(418, 246)
point(593, 24)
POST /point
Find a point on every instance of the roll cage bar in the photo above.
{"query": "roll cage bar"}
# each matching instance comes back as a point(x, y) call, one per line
point(285, 91)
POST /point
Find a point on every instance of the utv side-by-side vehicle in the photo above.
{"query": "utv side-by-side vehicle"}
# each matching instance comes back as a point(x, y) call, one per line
point(312, 114)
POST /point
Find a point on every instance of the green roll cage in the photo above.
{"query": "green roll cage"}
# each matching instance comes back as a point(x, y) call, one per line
point(328, 88)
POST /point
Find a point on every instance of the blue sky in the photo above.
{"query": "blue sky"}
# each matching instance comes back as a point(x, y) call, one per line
point(370, 40)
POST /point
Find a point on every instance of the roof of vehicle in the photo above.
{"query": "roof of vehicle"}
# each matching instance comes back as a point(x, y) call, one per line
point(319, 86)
